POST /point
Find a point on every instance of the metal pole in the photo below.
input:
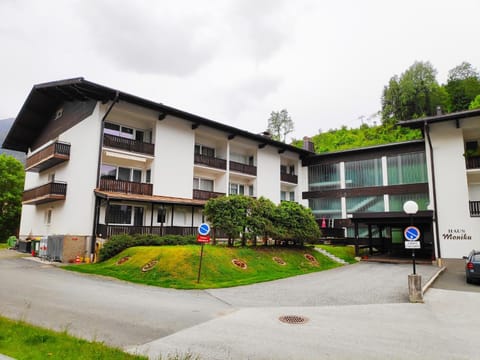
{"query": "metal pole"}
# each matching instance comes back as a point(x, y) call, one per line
point(200, 265)
point(413, 250)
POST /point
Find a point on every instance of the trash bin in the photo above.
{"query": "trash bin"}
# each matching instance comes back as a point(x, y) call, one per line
point(11, 242)
point(35, 247)
point(25, 246)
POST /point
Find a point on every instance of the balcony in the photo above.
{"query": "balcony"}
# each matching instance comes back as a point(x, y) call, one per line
point(122, 143)
point(290, 178)
point(126, 187)
point(211, 161)
point(52, 155)
point(53, 191)
point(106, 231)
point(205, 195)
point(243, 168)
point(473, 162)
point(474, 208)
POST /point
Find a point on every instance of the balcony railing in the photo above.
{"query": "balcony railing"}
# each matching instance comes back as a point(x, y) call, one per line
point(127, 187)
point(474, 208)
point(243, 168)
point(211, 161)
point(289, 178)
point(106, 231)
point(119, 142)
point(205, 195)
point(473, 162)
point(52, 155)
point(46, 193)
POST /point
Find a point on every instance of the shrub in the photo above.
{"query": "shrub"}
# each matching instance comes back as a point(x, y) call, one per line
point(117, 243)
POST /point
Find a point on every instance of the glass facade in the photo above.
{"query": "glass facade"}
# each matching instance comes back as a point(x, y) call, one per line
point(363, 173)
point(396, 201)
point(361, 204)
point(324, 177)
point(325, 207)
point(408, 168)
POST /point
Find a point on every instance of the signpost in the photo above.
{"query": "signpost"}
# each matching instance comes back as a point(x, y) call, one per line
point(412, 236)
point(203, 237)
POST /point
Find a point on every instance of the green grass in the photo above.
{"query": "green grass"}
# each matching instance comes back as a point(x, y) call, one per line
point(22, 341)
point(177, 266)
point(3, 246)
point(346, 253)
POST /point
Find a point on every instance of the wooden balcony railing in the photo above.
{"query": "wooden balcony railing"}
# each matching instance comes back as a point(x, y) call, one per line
point(46, 193)
point(106, 231)
point(289, 178)
point(52, 155)
point(474, 208)
point(205, 195)
point(119, 142)
point(127, 187)
point(243, 168)
point(473, 162)
point(211, 161)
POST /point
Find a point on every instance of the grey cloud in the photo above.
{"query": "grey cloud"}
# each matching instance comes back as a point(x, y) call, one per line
point(148, 38)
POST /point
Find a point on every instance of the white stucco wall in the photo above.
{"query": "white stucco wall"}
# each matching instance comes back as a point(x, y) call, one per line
point(74, 215)
point(268, 173)
point(459, 233)
point(174, 157)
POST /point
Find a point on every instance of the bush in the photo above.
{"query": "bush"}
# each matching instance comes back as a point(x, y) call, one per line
point(117, 243)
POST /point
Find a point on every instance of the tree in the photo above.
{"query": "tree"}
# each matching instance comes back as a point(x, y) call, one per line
point(463, 85)
point(228, 214)
point(475, 104)
point(261, 218)
point(280, 124)
point(294, 222)
point(12, 177)
point(414, 94)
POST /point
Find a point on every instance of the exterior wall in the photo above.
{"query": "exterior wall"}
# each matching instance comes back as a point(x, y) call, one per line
point(459, 233)
point(74, 215)
point(172, 171)
point(268, 174)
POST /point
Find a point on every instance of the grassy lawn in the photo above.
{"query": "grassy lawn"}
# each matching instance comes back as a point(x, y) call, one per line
point(177, 266)
point(346, 253)
point(3, 246)
point(22, 341)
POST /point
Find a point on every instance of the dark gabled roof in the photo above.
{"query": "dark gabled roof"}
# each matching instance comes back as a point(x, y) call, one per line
point(419, 123)
point(44, 99)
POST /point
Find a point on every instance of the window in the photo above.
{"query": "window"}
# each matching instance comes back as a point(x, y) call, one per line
point(48, 216)
point(362, 204)
point(292, 195)
point(283, 169)
point(128, 132)
point(250, 190)
point(119, 214)
point(51, 177)
point(326, 207)
point(203, 184)
point(204, 150)
point(237, 189)
point(396, 201)
point(283, 196)
point(363, 173)
point(123, 173)
point(148, 176)
point(161, 215)
point(407, 169)
point(324, 177)
point(242, 159)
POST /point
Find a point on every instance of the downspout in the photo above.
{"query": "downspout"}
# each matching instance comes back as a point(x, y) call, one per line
point(434, 189)
point(100, 145)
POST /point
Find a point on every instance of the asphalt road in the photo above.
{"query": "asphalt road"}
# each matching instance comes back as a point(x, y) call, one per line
point(359, 310)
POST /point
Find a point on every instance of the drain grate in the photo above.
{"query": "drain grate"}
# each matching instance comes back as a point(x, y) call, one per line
point(293, 319)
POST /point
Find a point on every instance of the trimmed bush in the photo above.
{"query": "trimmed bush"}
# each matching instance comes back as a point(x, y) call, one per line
point(117, 243)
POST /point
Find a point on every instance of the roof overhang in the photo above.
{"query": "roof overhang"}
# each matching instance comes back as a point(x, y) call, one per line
point(109, 195)
point(392, 218)
point(420, 123)
point(44, 99)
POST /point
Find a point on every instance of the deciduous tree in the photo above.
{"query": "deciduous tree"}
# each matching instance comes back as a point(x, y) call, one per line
point(12, 178)
point(280, 124)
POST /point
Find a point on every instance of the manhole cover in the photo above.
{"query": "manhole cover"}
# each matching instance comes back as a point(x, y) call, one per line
point(293, 319)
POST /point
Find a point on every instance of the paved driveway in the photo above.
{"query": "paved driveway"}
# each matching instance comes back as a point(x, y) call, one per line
point(127, 315)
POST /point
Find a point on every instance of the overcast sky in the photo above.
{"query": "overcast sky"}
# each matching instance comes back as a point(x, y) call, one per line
point(234, 61)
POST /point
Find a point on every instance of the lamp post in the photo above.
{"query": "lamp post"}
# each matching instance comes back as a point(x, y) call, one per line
point(412, 234)
point(411, 208)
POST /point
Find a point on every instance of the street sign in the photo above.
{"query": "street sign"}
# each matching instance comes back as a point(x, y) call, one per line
point(204, 229)
point(411, 233)
point(412, 244)
point(203, 238)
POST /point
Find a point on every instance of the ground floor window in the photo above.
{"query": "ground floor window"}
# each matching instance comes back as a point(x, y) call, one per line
point(203, 184)
point(119, 214)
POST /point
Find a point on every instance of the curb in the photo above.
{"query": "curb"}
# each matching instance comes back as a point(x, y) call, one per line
point(432, 279)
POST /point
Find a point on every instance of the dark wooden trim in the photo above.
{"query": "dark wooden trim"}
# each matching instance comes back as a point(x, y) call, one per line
point(48, 157)
point(127, 187)
point(106, 231)
point(368, 191)
point(243, 168)
point(474, 208)
point(291, 178)
point(205, 195)
point(472, 162)
point(210, 161)
point(52, 191)
point(119, 142)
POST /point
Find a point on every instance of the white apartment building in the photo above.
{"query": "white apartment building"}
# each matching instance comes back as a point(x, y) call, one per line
point(102, 162)
point(452, 145)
